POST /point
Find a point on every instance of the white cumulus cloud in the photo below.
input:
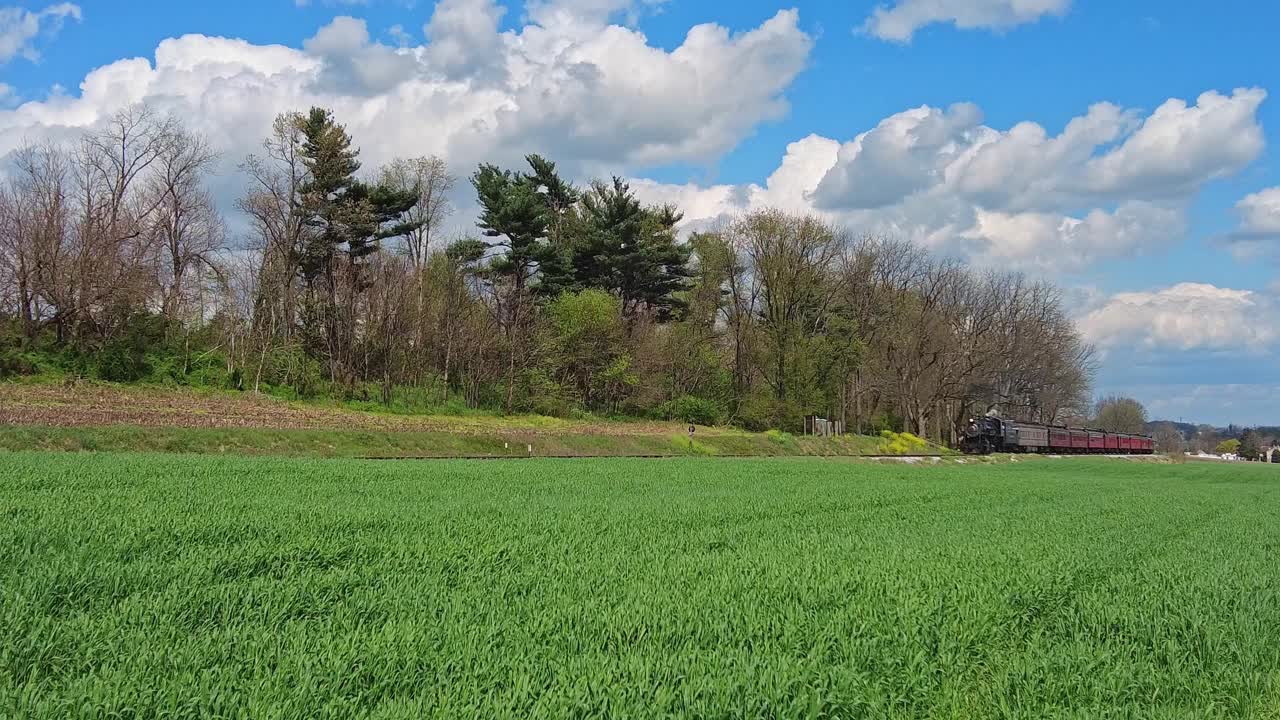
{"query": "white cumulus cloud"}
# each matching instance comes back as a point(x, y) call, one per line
point(1187, 316)
point(1179, 146)
point(596, 97)
point(19, 28)
point(1260, 211)
point(1050, 241)
point(901, 21)
point(1258, 233)
point(1112, 183)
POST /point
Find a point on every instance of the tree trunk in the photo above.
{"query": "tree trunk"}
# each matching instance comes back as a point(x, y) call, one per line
point(857, 401)
point(24, 299)
point(262, 356)
point(448, 357)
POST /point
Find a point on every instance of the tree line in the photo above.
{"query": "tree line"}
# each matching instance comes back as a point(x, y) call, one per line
point(116, 263)
point(1123, 414)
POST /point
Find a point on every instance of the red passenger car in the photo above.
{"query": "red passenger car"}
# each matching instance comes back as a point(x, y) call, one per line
point(1079, 440)
point(1059, 439)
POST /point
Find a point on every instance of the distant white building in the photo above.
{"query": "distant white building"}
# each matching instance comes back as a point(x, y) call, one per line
point(1210, 456)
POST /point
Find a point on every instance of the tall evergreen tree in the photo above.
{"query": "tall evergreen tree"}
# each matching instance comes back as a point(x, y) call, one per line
point(514, 214)
point(657, 272)
point(347, 220)
point(561, 198)
point(631, 251)
point(328, 208)
point(348, 216)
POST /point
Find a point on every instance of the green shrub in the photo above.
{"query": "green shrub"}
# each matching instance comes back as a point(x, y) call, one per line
point(885, 421)
point(690, 409)
point(782, 438)
point(289, 372)
point(760, 412)
point(119, 363)
point(537, 392)
point(164, 370)
point(14, 363)
point(210, 371)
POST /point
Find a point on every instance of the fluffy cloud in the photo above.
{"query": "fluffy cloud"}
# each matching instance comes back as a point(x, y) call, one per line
point(1193, 350)
point(464, 39)
point(1112, 184)
point(1260, 212)
point(354, 66)
point(1187, 316)
point(1258, 233)
point(1066, 243)
point(19, 28)
point(904, 154)
point(900, 22)
point(1179, 147)
point(1167, 155)
point(595, 97)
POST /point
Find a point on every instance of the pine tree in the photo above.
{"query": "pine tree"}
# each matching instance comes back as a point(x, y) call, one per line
point(631, 251)
point(555, 263)
point(349, 216)
point(515, 215)
point(513, 212)
point(560, 196)
point(657, 273)
point(328, 209)
point(347, 220)
point(381, 214)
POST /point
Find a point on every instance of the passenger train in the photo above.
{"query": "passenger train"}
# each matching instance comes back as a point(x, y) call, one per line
point(986, 435)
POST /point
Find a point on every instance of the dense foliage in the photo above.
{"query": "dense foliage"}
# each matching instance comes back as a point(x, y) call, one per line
point(1121, 415)
point(114, 263)
point(166, 586)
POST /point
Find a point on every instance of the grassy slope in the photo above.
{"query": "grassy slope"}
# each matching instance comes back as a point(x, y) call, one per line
point(373, 443)
point(117, 418)
point(183, 586)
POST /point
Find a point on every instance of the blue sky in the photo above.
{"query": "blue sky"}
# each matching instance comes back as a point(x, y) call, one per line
point(1172, 231)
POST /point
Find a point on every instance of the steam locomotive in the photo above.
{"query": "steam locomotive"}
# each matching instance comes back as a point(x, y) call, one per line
point(991, 434)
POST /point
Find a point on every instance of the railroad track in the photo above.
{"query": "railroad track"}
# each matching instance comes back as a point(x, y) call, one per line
point(651, 457)
point(670, 457)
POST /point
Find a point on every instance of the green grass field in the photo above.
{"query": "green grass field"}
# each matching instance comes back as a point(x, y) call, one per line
point(149, 586)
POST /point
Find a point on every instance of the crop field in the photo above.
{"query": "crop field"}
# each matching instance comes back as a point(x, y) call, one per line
point(149, 586)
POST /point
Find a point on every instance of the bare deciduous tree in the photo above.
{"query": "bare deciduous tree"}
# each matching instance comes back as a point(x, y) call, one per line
point(430, 178)
point(186, 225)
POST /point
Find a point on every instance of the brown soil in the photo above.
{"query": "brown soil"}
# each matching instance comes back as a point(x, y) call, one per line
point(89, 405)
